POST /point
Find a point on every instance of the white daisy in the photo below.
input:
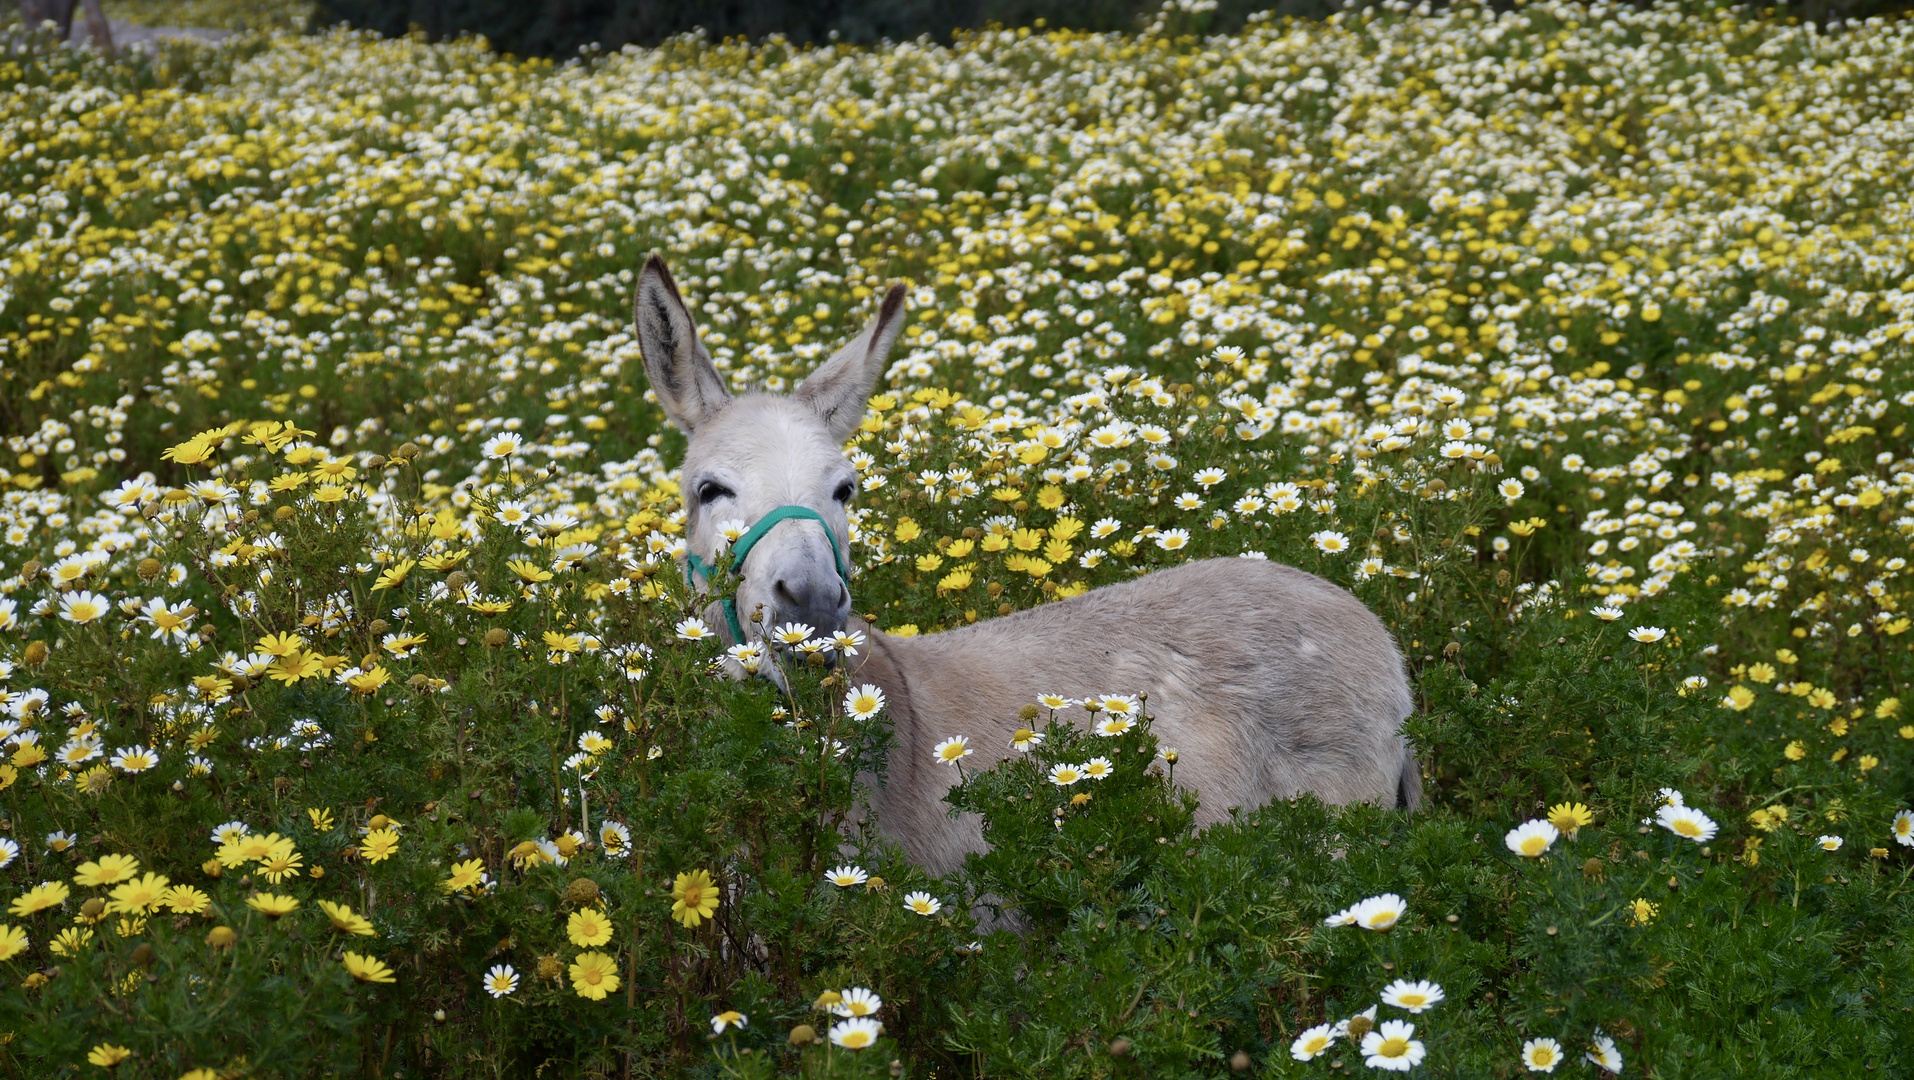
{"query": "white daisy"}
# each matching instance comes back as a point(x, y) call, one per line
point(1416, 996)
point(846, 876)
point(1393, 1047)
point(1541, 1055)
point(1531, 838)
point(1687, 821)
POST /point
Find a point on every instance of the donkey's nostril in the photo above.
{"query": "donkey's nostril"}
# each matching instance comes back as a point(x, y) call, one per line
point(819, 604)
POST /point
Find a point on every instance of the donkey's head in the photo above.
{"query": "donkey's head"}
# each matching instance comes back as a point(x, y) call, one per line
point(754, 455)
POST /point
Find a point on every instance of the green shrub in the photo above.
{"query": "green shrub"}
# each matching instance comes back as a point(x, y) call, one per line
point(347, 662)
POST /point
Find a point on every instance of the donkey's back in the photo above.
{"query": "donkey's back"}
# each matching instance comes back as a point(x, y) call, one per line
point(1268, 680)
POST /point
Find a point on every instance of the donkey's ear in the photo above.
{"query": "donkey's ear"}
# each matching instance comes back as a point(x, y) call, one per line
point(838, 390)
point(690, 389)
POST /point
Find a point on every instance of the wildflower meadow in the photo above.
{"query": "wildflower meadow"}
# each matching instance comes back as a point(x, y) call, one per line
point(358, 720)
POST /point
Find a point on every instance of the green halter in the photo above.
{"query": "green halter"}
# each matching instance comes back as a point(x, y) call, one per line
point(741, 549)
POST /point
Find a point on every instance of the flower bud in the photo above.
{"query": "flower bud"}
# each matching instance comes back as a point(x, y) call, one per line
point(35, 654)
point(211, 868)
point(93, 909)
point(496, 637)
point(803, 1035)
point(222, 937)
point(30, 570)
point(549, 966)
point(582, 891)
point(149, 568)
point(407, 452)
point(379, 626)
point(1360, 1026)
point(284, 514)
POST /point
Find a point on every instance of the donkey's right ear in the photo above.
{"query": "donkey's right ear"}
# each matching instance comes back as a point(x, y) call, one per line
point(687, 385)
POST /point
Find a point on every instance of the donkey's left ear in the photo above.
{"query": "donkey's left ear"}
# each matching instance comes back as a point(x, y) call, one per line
point(838, 390)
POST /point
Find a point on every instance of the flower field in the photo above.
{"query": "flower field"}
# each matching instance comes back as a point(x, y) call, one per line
point(358, 721)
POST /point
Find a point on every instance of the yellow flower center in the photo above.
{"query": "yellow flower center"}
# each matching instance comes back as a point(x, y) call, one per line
point(1316, 1045)
point(1533, 846)
point(1686, 827)
point(1393, 1048)
point(1543, 1056)
point(857, 1040)
point(1410, 1001)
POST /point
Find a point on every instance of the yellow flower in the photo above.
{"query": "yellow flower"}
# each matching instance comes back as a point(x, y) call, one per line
point(110, 870)
point(465, 875)
point(187, 900)
point(560, 646)
point(291, 669)
point(1795, 750)
point(366, 969)
point(588, 927)
point(378, 845)
point(13, 942)
point(282, 644)
point(39, 898)
point(594, 975)
point(139, 895)
point(346, 921)
point(368, 682)
point(106, 1055)
point(71, 941)
point(1570, 817)
point(694, 897)
point(529, 572)
point(394, 574)
point(272, 905)
point(1641, 912)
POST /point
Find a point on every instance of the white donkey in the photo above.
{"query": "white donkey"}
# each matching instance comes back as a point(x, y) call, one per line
point(1269, 680)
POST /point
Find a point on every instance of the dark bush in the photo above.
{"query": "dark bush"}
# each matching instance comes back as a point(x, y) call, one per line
point(558, 28)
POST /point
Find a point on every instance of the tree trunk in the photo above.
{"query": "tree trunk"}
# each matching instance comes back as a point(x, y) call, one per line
point(98, 28)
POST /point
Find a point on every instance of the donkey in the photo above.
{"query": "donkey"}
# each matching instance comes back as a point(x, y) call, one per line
point(1269, 680)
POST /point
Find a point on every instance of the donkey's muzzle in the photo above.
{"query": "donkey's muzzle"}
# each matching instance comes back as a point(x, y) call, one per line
point(820, 603)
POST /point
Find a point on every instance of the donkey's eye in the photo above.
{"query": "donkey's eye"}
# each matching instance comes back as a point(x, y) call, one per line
point(844, 491)
point(711, 490)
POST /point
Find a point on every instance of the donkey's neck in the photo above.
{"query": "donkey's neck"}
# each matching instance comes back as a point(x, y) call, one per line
point(880, 665)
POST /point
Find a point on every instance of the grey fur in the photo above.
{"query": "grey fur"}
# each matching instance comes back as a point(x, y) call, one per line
point(1269, 681)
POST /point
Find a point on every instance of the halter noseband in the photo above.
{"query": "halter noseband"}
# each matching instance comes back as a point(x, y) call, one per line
point(741, 549)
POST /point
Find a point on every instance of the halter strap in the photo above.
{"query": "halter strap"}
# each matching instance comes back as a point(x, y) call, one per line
point(741, 549)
